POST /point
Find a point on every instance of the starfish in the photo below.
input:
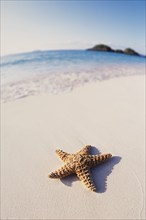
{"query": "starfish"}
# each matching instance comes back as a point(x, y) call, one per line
point(79, 163)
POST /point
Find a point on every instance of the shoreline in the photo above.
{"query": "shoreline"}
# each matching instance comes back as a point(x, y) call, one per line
point(69, 84)
point(109, 115)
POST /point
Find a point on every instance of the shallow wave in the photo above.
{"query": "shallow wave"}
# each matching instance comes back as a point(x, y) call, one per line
point(61, 82)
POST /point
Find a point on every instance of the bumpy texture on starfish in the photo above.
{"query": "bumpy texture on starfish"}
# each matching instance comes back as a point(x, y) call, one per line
point(79, 163)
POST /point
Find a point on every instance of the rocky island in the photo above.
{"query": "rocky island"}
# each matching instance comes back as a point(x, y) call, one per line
point(103, 47)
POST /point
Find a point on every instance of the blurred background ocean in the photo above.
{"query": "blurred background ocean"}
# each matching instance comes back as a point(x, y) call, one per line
point(56, 71)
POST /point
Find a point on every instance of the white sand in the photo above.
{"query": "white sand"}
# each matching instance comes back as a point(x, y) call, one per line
point(108, 115)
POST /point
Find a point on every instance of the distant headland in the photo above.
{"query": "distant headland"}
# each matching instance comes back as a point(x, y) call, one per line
point(103, 47)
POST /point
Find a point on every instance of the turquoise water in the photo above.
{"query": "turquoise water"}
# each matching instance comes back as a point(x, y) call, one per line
point(56, 71)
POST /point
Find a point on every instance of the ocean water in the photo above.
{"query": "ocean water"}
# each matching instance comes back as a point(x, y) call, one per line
point(58, 71)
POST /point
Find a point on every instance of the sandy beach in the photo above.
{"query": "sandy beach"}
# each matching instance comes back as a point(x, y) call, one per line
point(108, 115)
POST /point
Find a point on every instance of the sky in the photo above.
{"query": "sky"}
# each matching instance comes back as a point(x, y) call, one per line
point(46, 25)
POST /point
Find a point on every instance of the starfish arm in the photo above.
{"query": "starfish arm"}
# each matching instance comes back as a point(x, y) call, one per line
point(85, 149)
point(62, 172)
point(97, 159)
point(63, 155)
point(83, 174)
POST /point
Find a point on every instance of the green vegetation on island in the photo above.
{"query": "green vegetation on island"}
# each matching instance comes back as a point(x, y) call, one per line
point(103, 47)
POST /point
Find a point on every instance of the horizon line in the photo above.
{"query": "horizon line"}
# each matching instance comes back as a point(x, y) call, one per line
point(59, 49)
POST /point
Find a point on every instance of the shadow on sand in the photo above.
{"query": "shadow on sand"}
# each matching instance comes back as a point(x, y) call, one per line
point(99, 173)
